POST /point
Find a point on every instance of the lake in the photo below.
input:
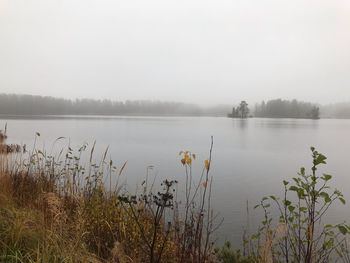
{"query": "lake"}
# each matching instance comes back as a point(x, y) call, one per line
point(250, 157)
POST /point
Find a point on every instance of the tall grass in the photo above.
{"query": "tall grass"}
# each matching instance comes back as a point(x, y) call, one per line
point(66, 207)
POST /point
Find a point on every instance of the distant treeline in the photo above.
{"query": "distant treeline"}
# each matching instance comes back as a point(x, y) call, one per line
point(11, 104)
point(286, 109)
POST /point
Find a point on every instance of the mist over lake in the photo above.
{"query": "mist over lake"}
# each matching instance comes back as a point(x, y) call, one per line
point(174, 131)
point(251, 157)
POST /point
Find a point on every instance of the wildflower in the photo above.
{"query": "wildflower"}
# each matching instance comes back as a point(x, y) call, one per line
point(187, 158)
point(207, 165)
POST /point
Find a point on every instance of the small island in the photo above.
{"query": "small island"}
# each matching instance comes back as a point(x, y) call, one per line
point(241, 111)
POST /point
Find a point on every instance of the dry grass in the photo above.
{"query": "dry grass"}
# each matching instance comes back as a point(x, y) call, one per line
point(54, 209)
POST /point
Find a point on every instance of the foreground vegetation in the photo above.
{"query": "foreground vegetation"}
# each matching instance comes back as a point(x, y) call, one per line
point(56, 208)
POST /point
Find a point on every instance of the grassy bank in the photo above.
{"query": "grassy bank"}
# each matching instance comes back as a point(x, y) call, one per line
point(59, 208)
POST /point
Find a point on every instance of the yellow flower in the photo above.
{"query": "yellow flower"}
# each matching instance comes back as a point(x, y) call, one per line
point(207, 164)
point(187, 157)
point(188, 160)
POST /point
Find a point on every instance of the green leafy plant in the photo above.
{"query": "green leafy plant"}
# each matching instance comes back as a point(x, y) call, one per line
point(299, 235)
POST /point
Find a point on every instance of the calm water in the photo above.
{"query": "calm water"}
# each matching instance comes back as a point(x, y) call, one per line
point(250, 157)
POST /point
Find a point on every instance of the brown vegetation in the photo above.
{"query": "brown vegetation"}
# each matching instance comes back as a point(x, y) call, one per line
point(54, 209)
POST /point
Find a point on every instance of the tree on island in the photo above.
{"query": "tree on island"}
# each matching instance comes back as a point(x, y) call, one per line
point(241, 111)
point(315, 113)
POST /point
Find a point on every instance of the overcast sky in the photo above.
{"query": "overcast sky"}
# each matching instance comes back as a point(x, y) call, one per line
point(200, 51)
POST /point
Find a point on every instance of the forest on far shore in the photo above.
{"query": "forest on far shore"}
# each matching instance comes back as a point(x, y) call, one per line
point(287, 109)
point(13, 104)
point(27, 105)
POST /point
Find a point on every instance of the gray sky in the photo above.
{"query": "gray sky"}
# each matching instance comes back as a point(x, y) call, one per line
point(201, 51)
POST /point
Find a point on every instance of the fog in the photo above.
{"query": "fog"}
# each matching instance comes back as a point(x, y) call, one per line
point(193, 51)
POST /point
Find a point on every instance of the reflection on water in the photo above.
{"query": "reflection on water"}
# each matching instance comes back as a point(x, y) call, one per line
point(251, 157)
point(286, 123)
point(240, 123)
point(274, 123)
